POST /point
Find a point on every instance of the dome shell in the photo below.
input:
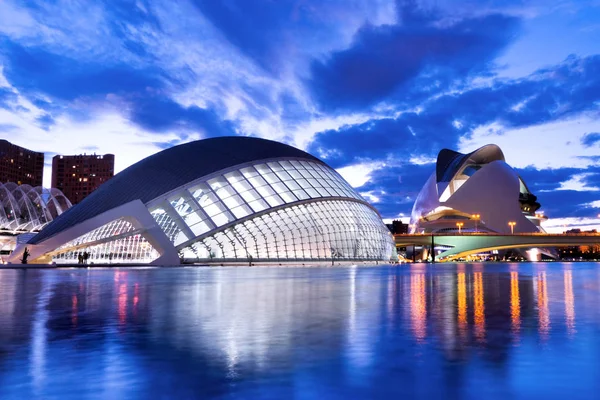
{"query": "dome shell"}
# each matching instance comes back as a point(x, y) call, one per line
point(168, 170)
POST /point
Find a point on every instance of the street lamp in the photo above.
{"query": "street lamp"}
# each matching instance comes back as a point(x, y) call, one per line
point(460, 225)
point(512, 227)
point(476, 218)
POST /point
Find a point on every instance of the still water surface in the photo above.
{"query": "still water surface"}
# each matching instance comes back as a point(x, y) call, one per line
point(472, 331)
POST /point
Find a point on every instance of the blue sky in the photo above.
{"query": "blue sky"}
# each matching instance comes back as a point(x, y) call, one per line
point(375, 88)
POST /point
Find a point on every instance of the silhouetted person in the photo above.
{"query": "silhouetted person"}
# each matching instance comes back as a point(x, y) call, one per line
point(26, 254)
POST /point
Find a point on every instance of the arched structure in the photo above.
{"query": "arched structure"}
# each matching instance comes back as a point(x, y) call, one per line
point(473, 192)
point(25, 208)
point(220, 199)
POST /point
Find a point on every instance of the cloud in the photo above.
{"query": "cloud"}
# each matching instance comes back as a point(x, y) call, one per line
point(387, 60)
point(395, 186)
point(590, 139)
point(279, 34)
point(157, 114)
point(35, 70)
point(376, 88)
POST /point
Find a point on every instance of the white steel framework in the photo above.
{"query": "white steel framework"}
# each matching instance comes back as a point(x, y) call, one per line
point(275, 209)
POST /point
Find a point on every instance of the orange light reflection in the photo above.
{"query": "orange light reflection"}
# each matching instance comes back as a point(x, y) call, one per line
point(515, 303)
point(543, 312)
point(479, 306)
point(462, 303)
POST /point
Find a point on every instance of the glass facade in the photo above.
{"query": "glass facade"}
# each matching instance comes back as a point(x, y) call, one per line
point(124, 245)
point(309, 230)
point(285, 209)
point(323, 230)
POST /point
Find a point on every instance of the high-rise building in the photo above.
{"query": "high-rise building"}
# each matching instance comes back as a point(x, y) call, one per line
point(20, 165)
point(78, 176)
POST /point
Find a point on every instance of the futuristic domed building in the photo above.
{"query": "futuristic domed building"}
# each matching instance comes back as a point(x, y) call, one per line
point(25, 208)
point(477, 191)
point(220, 199)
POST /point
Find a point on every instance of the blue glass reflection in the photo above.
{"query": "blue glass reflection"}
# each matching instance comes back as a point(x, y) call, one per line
point(444, 331)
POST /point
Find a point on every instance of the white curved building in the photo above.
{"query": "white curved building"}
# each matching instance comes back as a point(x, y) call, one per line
point(25, 208)
point(472, 192)
point(221, 199)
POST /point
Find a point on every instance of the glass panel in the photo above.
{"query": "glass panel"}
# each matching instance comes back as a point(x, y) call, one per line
point(274, 201)
point(257, 181)
point(234, 176)
point(249, 172)
point(295, 174)
point(241, 211)
point(293, 185)
point(271, 178)
point(250, 195)
point(225, 191)
point(301, 194)
point(214, 209)
point(279, 187)
point(262, 168)
point(312, 193)
point(242, 186)
point(221, 219)
point(198, 191)
point(288, 197)
point(258, 205)
point(200, 228)
point(275, 166)
point(233, 201)
point(265, 191)
point(217, 183)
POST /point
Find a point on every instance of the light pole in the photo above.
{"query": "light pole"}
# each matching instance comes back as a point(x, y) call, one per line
point(512, 227)
point(460, 225)
point(476, 218)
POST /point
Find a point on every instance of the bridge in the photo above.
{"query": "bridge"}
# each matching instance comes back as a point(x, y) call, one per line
point(464, 244)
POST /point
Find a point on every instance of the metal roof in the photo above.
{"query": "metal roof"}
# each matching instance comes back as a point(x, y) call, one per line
point(168, 170)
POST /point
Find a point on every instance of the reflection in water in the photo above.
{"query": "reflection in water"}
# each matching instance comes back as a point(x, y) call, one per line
point(299, 332)
point(515, 303)
point(461, 294)
point(569, 302)
point(542, 302)
point(479, 306)
point(418, 306)
point(74, 311)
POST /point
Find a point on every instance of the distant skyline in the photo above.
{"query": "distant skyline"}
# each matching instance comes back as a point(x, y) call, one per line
point(374, 88)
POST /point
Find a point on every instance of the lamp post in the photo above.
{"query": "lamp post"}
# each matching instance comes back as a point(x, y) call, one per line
point(460, 225)
point(512, 227)
point(476, 218)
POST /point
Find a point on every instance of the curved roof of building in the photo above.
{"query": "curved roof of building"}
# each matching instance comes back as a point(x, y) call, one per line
point(449, 162)
point(168, 170)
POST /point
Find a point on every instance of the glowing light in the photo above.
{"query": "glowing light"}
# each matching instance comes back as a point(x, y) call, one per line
point(476, 217)
point(533, 255)
point(512, 227)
